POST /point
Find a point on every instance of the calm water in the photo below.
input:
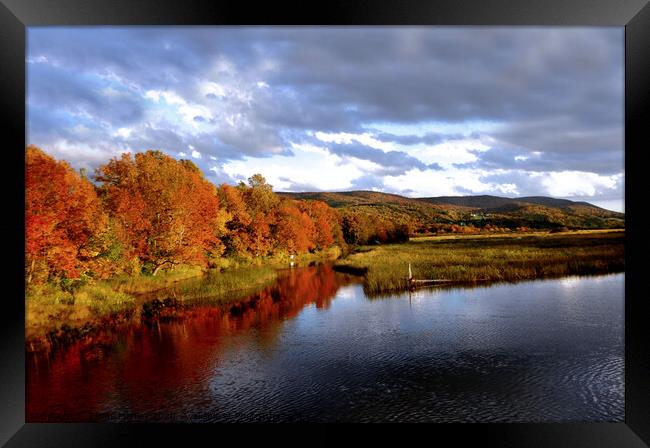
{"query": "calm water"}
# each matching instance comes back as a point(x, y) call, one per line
point(314, 348)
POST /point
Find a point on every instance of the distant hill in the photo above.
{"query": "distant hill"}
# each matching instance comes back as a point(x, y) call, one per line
point(474, 202)
point(348, 198)
point(492, 202)
point(430, 214)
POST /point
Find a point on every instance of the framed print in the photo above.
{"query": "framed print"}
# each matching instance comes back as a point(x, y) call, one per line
point(350, 214)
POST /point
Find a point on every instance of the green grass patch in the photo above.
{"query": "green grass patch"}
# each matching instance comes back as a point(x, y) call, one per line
point(137, 284)
point(279, 260)
point(48, 307)
point(54, 313)
point(219, 286)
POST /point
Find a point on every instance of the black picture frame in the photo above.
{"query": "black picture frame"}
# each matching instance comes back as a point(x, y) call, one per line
point(634, 15)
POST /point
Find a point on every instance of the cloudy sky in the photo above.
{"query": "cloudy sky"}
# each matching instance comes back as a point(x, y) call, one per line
point(418, 111)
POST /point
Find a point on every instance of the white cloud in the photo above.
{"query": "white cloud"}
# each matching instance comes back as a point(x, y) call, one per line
point(310, 165)
point(348, 138)
point(196, 154)
point(84, 155)
point(448, 153)
point(438, 127)
point(576, 183)
point(111, 92)
point(40, 59)
point(212, 88)
point(123, 132)
point(186, 110)
point(424, 183)
point(507, 189)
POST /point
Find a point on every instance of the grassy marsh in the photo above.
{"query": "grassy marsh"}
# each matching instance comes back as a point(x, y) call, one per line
point(505, 257)
point(54, 315)
point(218, 287)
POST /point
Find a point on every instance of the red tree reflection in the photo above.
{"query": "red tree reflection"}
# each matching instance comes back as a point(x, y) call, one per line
point(147, 368)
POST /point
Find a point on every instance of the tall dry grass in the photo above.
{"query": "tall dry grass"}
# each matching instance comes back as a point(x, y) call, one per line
point(488, 258)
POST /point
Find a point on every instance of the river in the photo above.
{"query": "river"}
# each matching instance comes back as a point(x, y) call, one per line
point(315, 347)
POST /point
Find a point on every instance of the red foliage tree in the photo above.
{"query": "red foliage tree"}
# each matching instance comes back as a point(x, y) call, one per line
point(166, 210)
point(63, 217)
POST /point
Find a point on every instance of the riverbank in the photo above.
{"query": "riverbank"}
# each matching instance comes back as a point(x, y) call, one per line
point(56, 316)
point(500, 257)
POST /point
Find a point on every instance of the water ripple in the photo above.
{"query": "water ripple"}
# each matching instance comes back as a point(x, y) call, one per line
point(528, 352)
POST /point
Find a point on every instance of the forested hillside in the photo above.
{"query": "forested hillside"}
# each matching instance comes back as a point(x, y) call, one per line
point(470, 213)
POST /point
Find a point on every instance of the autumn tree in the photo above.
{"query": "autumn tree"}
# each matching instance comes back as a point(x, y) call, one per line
point(260, 197)
point(236, 239)
point(353, 229)
point(325, 221)
point(64, 221)
point(363, 228)
point(262, 206)
point(155, 212)
point(295, 229)
point(165, 209)
point(262, 223)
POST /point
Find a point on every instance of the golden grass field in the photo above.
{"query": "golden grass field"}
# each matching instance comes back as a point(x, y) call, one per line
point(490, 257)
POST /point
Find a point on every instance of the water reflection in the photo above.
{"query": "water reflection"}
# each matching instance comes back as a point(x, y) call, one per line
point(314, 347)
point(139, 369)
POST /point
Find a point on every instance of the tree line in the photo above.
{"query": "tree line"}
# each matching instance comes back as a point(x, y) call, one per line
point(151, 212)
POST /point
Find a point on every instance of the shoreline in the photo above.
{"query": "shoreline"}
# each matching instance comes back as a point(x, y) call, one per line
point(55, 318)
point(382, 267)
point(486, 259)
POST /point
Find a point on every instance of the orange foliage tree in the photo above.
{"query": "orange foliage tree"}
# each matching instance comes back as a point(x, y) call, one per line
point(262, 206)
point(63, 217)
point(295, 229)
point(236, 238)
point(253, 216)
point(262, 223)
point(166, 211)
point(325, 221)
